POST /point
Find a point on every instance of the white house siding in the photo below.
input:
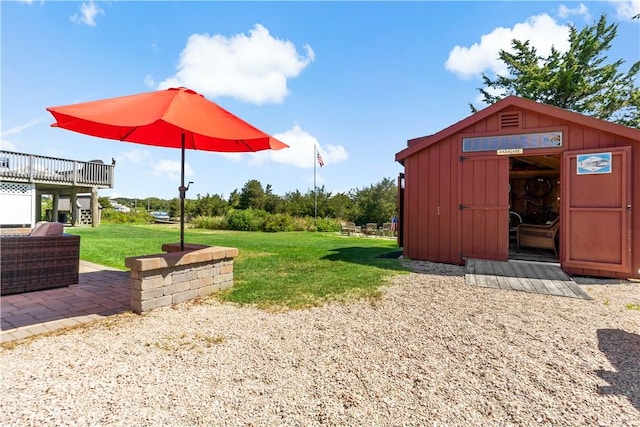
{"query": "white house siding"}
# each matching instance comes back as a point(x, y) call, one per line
point(17, 205)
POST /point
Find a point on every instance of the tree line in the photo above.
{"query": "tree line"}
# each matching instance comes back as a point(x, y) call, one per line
point(376, 203)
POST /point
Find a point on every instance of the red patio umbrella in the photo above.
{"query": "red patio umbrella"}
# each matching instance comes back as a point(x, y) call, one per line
point(176, 117)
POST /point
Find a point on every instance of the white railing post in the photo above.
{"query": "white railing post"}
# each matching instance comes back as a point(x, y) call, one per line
point(31, 168)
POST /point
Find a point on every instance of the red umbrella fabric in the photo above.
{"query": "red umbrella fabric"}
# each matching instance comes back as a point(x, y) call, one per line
point(176, 117)
point(160, 118)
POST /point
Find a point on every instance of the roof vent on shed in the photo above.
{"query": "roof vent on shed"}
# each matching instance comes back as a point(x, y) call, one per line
point(510, 120)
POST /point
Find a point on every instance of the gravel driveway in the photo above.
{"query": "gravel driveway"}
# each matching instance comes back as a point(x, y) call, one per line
point(433, 351)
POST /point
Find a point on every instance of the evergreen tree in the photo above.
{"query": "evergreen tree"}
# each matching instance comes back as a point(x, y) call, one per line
point(174, 207)
point(209, 205)
point(252, 195)
point(579, 79)
point(234, 199)
point(298, 205)
point(377, 203)
point(341, 206)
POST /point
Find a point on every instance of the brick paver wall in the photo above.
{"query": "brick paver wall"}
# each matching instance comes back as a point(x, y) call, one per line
point(171, 278)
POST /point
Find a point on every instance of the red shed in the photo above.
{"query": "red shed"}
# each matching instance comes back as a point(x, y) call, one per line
point(464, 188)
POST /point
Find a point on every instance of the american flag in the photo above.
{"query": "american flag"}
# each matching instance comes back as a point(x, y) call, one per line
point(320, 161)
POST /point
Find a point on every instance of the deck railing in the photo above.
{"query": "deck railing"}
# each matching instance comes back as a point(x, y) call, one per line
point(22, 167)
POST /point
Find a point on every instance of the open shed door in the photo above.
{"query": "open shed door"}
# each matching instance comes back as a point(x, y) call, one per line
point(596, 210)
point(484, 207)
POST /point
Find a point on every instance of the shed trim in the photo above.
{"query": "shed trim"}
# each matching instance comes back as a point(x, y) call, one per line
point(418, 144)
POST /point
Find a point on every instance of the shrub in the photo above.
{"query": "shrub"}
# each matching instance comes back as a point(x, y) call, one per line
point(210, 222)
point(302, 223)
point(278, 222)
point(112, 216)
point(328, 224)
point(260, 220)
point(246, 220)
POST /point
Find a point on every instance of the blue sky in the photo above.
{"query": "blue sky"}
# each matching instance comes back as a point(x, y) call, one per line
point(357, 79)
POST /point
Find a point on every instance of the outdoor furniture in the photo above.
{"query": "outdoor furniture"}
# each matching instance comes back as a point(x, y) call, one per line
point(538, 236)
point(44, 259)
point(386, 229)
point(349, 228)
point(371, 229)
point(88, 172)
point(92, 171)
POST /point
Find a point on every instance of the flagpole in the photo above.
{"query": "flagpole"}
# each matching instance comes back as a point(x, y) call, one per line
point(315, 187)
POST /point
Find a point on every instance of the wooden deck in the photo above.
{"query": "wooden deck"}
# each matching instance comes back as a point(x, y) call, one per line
point(52, 172)
point(524, 276)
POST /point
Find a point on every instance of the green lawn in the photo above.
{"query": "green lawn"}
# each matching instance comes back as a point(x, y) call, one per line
point(293, 270)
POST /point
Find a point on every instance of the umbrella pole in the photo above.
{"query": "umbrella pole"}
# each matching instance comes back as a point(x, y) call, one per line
point(182, 190)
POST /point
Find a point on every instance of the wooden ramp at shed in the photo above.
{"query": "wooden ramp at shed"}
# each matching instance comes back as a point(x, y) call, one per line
point(524, 276)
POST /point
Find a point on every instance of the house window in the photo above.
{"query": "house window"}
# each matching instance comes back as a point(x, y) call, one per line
point(502, 142)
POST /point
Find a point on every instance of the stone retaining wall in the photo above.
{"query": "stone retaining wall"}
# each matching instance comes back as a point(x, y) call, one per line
point(174, 277)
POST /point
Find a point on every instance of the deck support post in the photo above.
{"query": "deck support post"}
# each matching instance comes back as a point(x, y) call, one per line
point(54, 208)
point(73, 202)
point(38, 207)
point(95, 208)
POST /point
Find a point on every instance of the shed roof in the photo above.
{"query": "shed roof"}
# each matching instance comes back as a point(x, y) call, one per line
point(417, 144)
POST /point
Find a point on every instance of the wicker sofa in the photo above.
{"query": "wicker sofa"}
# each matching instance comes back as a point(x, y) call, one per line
point(37, 262)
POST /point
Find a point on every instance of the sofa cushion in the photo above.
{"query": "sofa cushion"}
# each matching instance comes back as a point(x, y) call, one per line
point(47, 229)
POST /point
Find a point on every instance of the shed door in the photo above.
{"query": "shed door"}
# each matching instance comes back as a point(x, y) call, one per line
point(596, 209)
point(484, 207)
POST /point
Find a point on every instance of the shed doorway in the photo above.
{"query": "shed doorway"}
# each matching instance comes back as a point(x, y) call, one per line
point(534, 208)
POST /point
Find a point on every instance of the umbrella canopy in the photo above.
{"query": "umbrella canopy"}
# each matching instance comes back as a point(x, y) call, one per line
point(176, 117)
point(160, 119)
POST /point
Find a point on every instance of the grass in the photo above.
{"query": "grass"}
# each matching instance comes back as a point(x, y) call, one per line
point(273, 270)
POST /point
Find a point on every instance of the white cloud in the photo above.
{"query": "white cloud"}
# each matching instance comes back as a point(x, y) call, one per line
point(625, 10)
point(480, 98)
point(135, 155)
point(18, 129)
point(148, 80)
point(542, 31)
point(580, 10)
point(253, 68)
point(88, 13)
point(236, 157)
point(7, 145)
point(333, 153)
point(301, 153)
point(171, 169)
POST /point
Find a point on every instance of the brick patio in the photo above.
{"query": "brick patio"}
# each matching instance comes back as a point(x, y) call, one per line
point(101, 292)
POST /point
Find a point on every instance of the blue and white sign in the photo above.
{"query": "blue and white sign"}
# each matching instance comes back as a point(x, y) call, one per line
point(589, 164)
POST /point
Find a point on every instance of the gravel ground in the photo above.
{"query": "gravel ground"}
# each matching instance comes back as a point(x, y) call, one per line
point(433, 351)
